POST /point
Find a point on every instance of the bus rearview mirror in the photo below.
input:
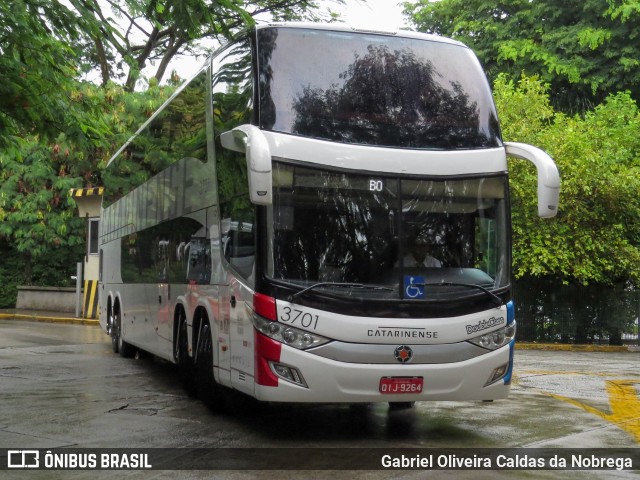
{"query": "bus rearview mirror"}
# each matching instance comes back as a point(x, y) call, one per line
point(250, 140)
point(548, 176)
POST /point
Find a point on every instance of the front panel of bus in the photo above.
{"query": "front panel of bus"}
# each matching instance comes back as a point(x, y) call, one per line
point(383, 262)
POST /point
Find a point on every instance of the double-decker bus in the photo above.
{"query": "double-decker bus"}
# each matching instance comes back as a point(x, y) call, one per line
point(321, 214)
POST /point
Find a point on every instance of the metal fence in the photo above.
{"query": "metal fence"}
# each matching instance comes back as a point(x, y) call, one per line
point(550, 312)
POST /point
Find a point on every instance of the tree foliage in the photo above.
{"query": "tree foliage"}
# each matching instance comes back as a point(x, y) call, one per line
point(37, 173)
point(39, 224)
point(135, 34)
point(38, 66)
point(584, 49)
point(596, 236)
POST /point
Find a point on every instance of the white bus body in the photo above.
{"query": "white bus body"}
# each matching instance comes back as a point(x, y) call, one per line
point(259, 229)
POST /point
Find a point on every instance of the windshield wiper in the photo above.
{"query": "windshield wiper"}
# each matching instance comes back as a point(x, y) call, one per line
point(337, 284)
point(495, 298)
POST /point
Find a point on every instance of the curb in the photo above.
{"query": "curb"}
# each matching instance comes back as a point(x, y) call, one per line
point(553, 347)
point(43, 318)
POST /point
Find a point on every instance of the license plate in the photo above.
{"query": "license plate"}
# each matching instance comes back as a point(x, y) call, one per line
point(395, 385)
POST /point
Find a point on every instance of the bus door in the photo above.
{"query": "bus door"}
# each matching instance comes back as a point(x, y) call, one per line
point(204, 287)
point(239, 253)
point(223, 338)
point(242, 337)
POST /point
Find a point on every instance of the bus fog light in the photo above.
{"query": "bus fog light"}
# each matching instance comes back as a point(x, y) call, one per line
point(290, 374)
point(497, 374)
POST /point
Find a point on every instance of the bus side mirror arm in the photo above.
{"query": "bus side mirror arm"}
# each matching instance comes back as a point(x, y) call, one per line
point(548, 176)
point(250, 140)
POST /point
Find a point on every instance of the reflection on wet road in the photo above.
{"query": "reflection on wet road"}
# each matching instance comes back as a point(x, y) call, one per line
point(79, 393)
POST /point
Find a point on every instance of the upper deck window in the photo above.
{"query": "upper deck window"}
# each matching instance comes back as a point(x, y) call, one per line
point(362, 88)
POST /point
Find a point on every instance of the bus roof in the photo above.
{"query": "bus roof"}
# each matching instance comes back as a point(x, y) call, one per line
point(343, 27)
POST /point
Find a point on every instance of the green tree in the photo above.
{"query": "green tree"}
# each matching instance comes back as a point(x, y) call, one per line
point(596, 236)
point(138, 33)
point(41, 235)
point(50, 128)
point(38, 64)
point(584, 49)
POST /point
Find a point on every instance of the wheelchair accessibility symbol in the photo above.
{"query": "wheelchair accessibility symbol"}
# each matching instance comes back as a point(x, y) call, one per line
point(413, 286)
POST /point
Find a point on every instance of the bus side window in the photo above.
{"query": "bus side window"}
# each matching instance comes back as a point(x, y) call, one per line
point(239, 247)
point(232, 96)
point(199, 261)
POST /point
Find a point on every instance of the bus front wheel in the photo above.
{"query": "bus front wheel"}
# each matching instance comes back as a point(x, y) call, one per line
point(208, 390)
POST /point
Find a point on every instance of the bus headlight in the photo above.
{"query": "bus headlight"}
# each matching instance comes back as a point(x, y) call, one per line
point(288, 335)
point(497, 339)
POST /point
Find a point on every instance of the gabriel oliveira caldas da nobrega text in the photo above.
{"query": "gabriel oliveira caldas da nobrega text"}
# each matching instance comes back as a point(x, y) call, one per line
point(507, 462)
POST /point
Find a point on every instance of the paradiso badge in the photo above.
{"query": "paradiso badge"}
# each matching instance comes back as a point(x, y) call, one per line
point(403, 353)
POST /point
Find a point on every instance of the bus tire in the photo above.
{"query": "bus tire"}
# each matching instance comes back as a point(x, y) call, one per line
point(112, 331)
point(208, 390)
point(118, 344)
point(181, 355)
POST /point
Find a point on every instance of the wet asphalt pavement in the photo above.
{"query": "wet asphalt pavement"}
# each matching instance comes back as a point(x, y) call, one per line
point(61, 386)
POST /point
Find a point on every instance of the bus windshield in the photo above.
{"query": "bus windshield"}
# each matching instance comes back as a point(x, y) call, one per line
point(381, 90)
point(431, 239)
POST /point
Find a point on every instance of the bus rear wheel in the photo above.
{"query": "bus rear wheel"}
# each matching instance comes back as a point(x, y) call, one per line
point(207, 388)
point(112, 331)
point(117, 343)
point(182, 357)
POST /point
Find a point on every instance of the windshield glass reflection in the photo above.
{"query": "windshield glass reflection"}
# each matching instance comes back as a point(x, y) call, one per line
point(334, 227)
point(374, 89)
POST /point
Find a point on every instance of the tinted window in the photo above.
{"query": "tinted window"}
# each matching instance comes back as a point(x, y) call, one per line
point(178, 131)
point(163, 173)
point(232, 106)
point(374, 89)
point(177, 251)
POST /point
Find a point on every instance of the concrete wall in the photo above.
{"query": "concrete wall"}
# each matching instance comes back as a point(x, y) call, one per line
point(55, 299)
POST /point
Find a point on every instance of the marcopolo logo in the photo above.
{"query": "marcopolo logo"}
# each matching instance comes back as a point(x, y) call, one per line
point(403, 353)
point(484, 324)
